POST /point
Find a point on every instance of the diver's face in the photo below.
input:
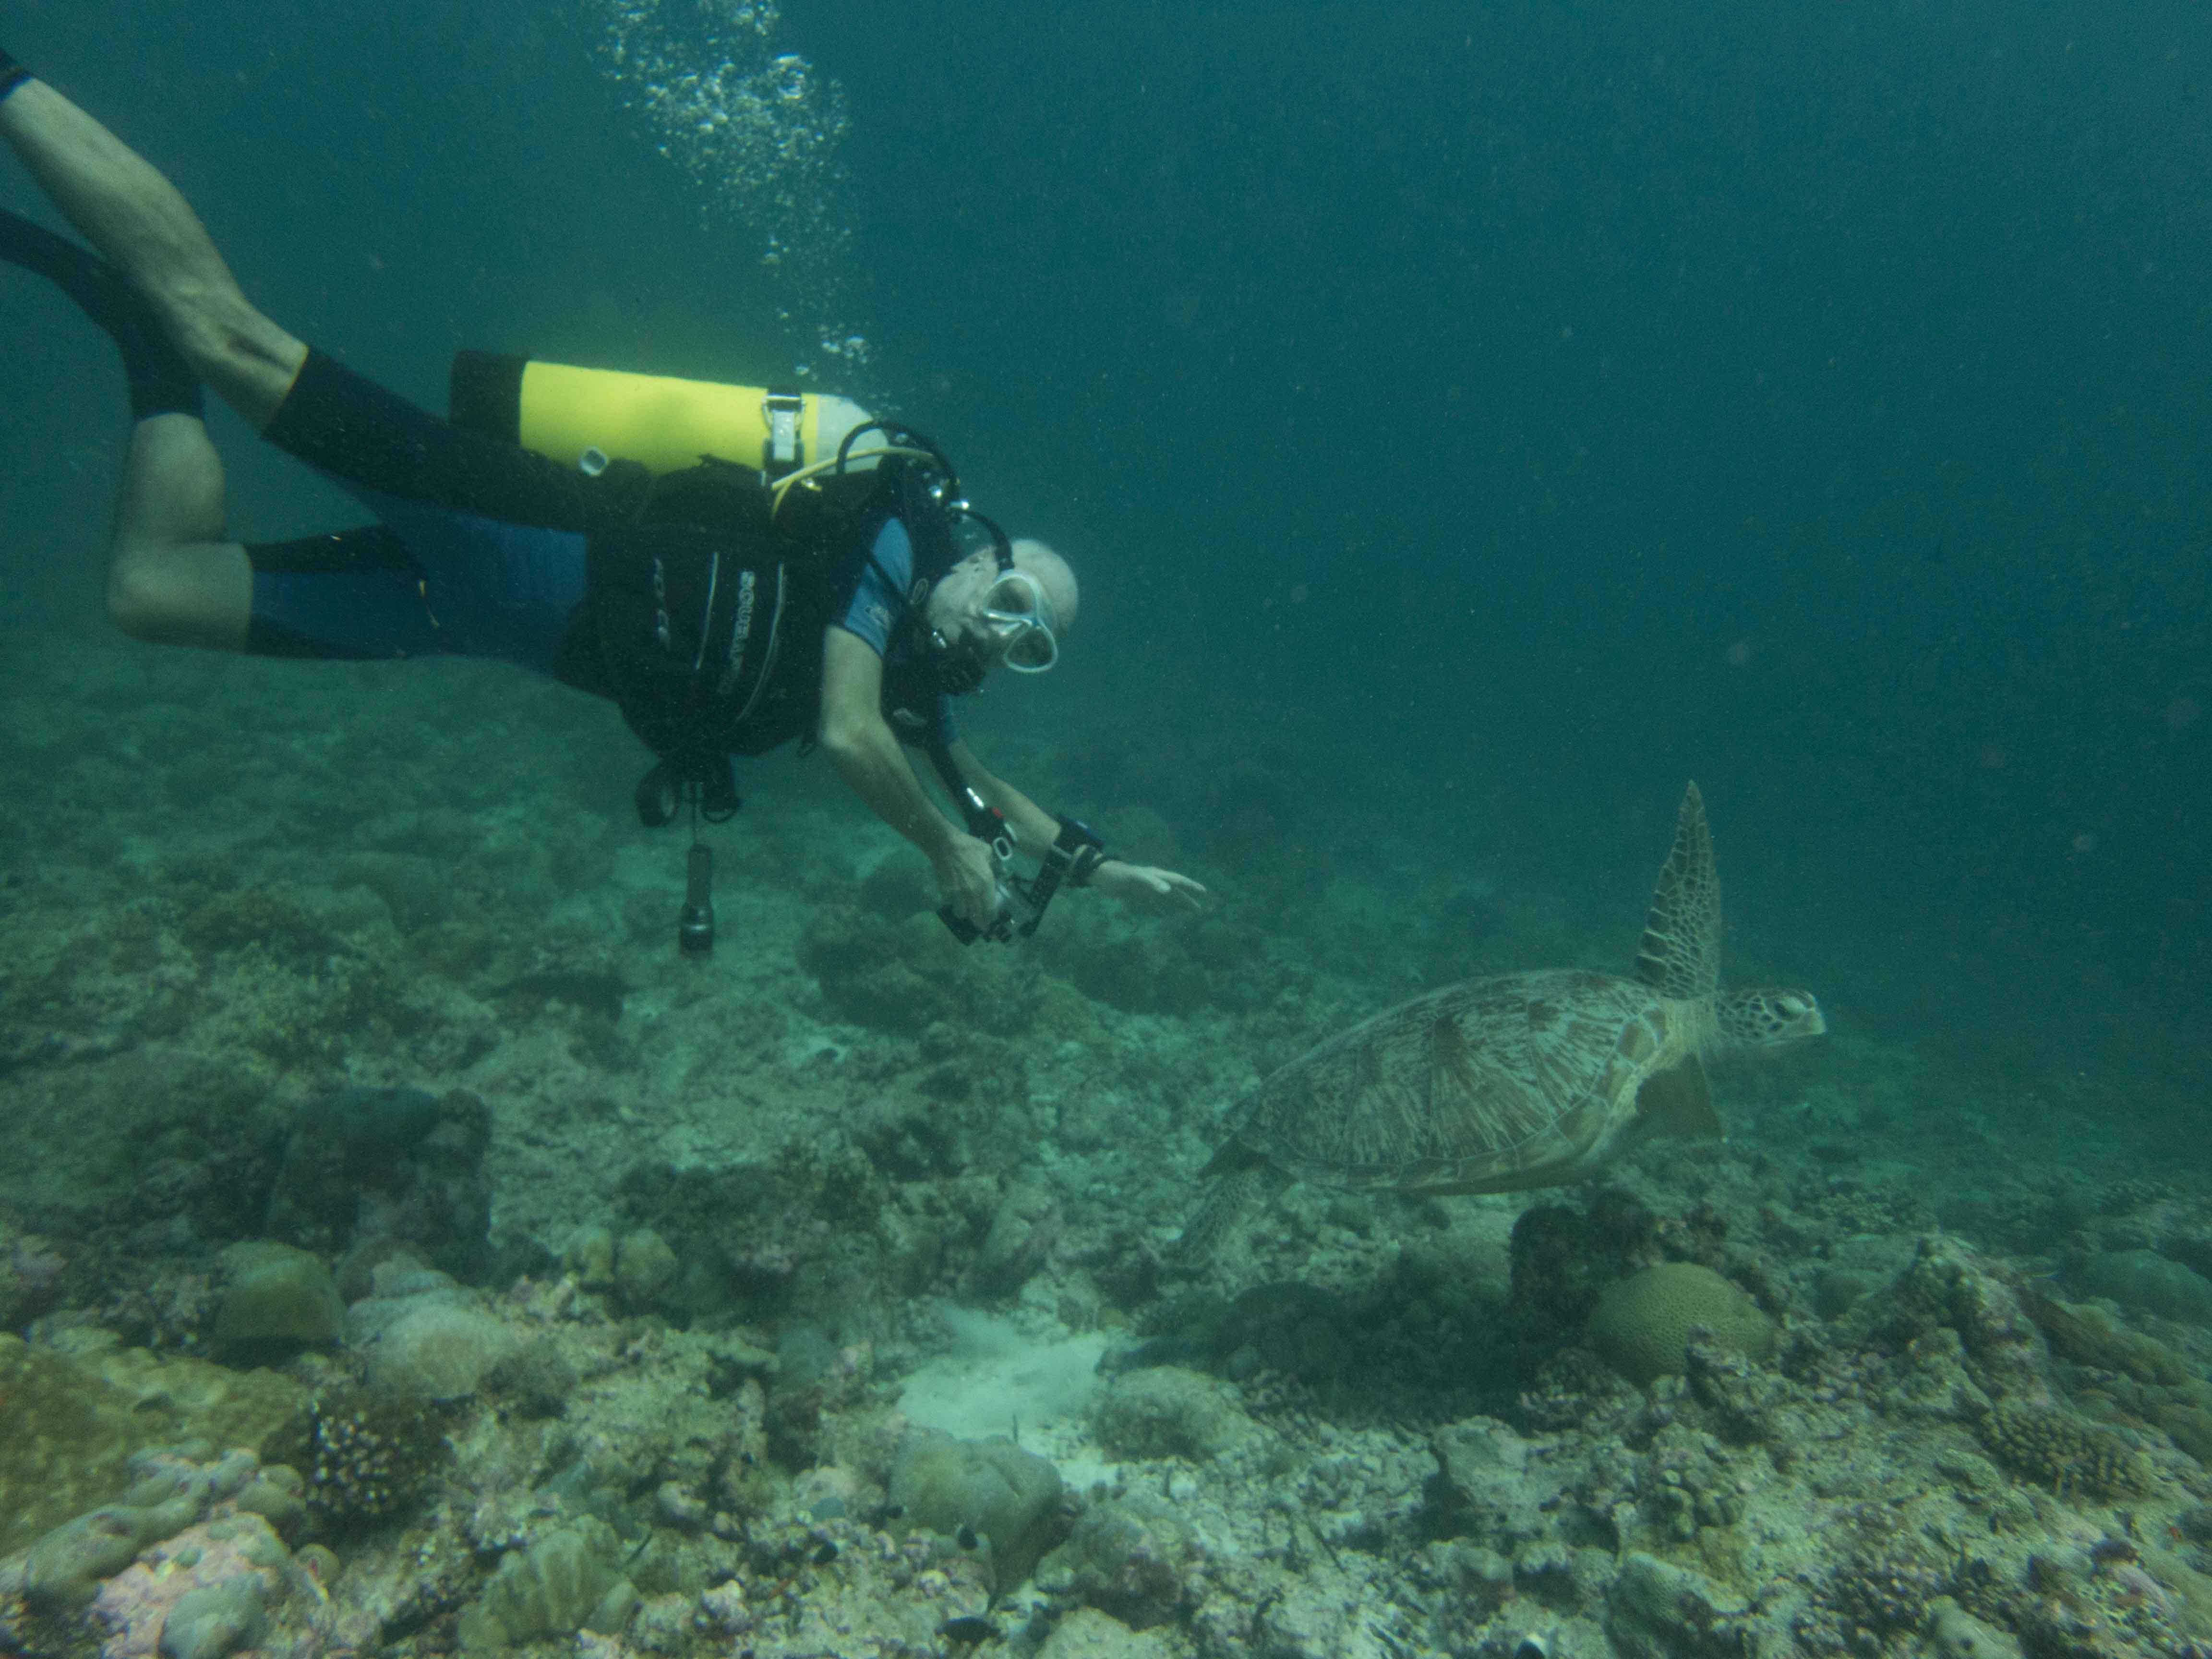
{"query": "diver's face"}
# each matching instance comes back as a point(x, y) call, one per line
point(957, 606)
point(998, 616)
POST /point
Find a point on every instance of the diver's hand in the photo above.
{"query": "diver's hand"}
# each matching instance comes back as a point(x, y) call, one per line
point(967, 879)
point(1147, 881)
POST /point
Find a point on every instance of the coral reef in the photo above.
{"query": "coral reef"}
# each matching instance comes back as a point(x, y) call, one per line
point(412, 1254)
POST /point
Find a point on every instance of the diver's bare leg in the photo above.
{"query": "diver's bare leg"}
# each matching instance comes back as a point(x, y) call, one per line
point(173, 579)
point(137, 218)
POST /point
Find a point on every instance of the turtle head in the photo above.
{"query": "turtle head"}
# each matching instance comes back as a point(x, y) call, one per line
point(1764, 1016)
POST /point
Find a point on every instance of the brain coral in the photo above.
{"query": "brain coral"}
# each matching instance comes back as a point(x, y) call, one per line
point(1641, 1324)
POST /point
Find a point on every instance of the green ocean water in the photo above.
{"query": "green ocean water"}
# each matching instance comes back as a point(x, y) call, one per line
point(1556, 402)
point(1468, 422)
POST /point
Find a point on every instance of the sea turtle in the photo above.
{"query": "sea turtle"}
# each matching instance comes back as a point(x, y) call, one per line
point(1521, 1080)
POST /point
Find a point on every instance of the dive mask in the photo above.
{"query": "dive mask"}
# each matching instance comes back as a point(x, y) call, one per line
point(1019, 618)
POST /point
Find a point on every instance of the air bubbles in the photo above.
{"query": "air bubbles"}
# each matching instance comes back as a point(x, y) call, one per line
point(758, 132)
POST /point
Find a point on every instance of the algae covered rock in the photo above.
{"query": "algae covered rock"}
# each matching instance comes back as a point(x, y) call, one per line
point(1134, 1557)
point(568, 1580)
point(901, 885)
point(65, 1441)
point(644, 1266)
point(1641, 1324)
point(1166, 1411)
point(1957, 1634)
point(277, 1297)
point(439, 1352)
point(1656, 1609)
point(979, 1493)
point(202, 1593)
point(379, 1170)
point(2143, 1281)
point(902, 975)
point(1089, 1634)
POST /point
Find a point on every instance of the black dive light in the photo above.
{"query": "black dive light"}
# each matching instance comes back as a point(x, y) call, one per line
point(708, 786)
point(694, 924)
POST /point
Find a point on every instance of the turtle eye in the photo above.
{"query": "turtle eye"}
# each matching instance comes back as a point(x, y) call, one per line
point(1793, 1007)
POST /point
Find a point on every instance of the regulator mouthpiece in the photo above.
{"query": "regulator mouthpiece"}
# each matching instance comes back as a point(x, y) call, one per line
point(695, 927)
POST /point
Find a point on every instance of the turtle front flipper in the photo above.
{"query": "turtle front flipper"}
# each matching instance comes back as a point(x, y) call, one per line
point(1238, 1187)
point(1680, 956)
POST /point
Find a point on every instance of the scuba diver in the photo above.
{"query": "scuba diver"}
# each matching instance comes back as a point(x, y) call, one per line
point(832, 587)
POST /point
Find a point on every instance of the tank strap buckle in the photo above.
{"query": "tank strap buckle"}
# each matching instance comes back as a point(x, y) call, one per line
point(782, 450)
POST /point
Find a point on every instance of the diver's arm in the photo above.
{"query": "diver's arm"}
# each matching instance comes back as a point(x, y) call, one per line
point(1035, 830)
point(867, 754)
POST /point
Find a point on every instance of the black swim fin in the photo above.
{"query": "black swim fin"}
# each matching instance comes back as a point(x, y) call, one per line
point(162, 382)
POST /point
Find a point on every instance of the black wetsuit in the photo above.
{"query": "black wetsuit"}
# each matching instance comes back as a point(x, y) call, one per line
point(481, 547)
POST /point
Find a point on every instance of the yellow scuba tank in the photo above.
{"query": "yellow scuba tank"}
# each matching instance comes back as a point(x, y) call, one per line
point(662, 422)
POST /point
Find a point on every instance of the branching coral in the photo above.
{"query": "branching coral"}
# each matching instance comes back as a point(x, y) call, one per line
point(2064, 1452)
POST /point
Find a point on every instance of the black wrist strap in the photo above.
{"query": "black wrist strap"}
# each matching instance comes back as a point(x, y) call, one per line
point(1061, 861)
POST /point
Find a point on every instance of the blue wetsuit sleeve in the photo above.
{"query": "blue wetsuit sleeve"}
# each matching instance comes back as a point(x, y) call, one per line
point(878, 600)
point(881, 594)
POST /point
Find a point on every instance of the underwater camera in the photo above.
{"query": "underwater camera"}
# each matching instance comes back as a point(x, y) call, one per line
point(1021, 904)
point(1015, 915)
